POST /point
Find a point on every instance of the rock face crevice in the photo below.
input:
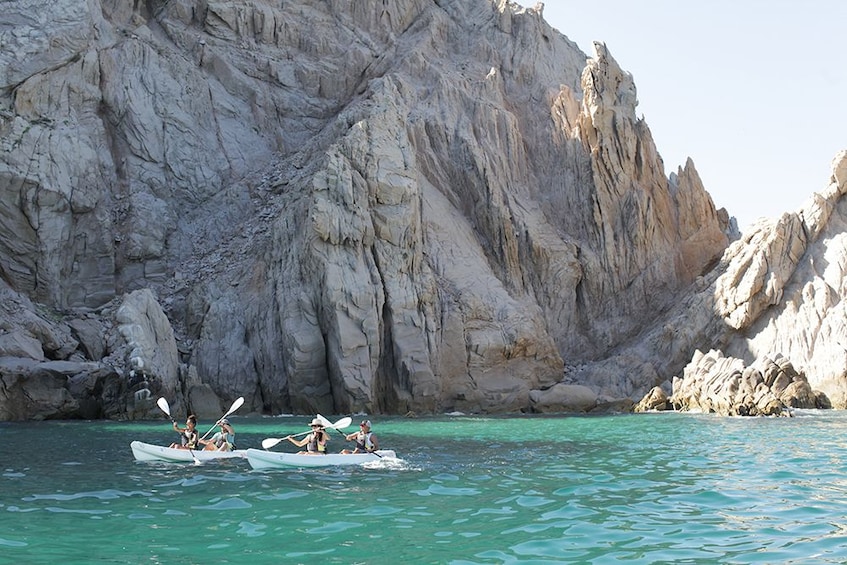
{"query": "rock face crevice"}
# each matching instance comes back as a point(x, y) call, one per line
point(343, 207)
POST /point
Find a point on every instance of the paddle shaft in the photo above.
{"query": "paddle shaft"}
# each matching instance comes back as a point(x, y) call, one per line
point(235, 406)
point(347, 421)
point(272, 441)
point(292, 435)
point(268, 443)
point(163, 405)
point(345, 438)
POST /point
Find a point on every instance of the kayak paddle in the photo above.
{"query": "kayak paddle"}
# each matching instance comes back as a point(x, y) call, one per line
point(235, 406)
point(342, 423)
point(163, 405)
point(268, 443)
point(325, 421)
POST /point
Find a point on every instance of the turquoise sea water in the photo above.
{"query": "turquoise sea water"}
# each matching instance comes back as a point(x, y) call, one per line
point(650, 488)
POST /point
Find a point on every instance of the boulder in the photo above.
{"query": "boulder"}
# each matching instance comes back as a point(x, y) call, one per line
point(656, 399)
point(89, 333)
point(563, 397)
point(151, 351)
point(19, 344)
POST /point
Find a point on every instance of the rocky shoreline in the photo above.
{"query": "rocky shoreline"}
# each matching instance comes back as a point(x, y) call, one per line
point(720, 385)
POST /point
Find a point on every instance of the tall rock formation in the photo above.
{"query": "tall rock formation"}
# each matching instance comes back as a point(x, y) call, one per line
point(785, 289)
point(341, 207)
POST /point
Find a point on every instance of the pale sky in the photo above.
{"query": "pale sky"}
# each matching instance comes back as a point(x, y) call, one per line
point(754, 91)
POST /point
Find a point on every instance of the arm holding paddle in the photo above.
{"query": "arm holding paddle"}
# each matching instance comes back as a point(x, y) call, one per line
point(166, 408)
point(235, 406)
point(321, 439)
point(315, 442)
point(190, 438)
point(366, 441)
point(224, 440)
point(269, 442)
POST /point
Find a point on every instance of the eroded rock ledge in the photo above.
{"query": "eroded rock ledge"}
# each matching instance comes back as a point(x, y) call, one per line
point(713, 383)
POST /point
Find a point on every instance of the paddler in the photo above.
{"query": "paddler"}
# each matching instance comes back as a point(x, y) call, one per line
point(366, 441)
point(315, 442)
point(189, 436)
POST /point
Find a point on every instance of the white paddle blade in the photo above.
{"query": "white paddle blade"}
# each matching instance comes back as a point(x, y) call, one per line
point(164, 406)
point(268, 443)
point(235, 406)
point(343, 423)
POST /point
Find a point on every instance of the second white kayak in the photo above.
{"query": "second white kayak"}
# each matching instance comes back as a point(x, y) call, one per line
point(260, 459)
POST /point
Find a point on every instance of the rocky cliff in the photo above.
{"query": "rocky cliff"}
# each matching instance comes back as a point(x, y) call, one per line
point(326, 206)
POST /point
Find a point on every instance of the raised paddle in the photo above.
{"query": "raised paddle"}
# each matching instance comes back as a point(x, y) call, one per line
point(325, 421)
point(268, 443)
point(166, 408)
point(235, 406)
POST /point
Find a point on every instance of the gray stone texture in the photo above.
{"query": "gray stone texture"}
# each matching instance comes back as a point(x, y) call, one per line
point(341, 207)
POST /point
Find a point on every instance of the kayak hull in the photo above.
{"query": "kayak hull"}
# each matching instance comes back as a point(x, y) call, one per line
point(148, 452)
point(260, 459)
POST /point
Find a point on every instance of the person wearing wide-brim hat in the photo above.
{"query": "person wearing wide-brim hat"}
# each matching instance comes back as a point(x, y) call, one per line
point(365, 439)
point(315, 442)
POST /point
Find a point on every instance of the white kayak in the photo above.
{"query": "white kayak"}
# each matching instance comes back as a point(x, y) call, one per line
point(260, 459)
point(148, 452)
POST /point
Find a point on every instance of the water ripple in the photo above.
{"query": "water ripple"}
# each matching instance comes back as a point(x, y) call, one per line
point(108, 494)
point(283, 495)
point(251, 530)
point(446, 491)
point(226, 504)
point(376, 511)
point(59, 510)
point(334, 527)
point(12, 543)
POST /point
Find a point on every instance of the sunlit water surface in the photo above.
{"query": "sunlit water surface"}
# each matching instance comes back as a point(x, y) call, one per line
point(654, 488)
